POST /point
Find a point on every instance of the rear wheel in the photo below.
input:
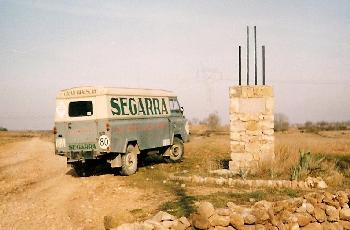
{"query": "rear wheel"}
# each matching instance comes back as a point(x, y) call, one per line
point(176, 151)
point(81, 169)
point(129, 161)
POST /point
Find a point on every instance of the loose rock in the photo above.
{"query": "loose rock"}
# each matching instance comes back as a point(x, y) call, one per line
point(303, 219)
point(163, 216)
point(344, 214)
point(216, 220)
point(332, 213)
point(320, 214)
point(312, 226)
point(206, 209)
point(236, 220)
point(200, 222)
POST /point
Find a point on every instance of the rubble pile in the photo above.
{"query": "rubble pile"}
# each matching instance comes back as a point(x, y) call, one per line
point(310, 182)
point(314, 211)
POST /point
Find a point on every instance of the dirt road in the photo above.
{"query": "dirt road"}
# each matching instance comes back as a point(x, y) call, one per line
point(38, 191)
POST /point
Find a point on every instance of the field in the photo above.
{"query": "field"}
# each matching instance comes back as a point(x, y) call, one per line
point(38, 191)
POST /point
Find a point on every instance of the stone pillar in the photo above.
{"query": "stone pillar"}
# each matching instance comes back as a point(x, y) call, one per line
point(251, 127)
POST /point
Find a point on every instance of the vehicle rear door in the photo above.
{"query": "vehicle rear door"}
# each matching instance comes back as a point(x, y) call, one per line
point(81, 129)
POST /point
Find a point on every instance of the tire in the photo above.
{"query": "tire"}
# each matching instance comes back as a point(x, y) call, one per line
point(81, 169)
point(129, 161)
point(176, 151)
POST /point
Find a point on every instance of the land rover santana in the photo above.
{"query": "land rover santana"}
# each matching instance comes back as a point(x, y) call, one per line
point(115, 125)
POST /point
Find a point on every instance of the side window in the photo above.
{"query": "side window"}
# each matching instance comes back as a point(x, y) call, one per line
point(174, 106)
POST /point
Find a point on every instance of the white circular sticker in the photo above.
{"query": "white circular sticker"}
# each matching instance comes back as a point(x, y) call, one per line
point(104, 142)
point(61, 109)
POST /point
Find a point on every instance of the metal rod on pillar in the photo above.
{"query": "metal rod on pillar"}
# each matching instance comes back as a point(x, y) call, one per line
point(247, 55)
point(256, 68)
point(263, 64)
point(239, 66)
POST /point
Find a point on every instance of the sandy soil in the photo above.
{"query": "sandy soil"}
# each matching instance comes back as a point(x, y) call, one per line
point(38, 191)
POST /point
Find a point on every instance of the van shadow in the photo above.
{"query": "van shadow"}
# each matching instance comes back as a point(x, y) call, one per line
point(103, 168)
point(94, 170)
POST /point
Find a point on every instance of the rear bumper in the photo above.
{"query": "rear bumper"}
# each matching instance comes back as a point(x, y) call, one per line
point(79, 156)
point(74, 156)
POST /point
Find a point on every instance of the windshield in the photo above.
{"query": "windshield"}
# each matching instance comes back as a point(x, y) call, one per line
point(80, 108)
point(175, 106)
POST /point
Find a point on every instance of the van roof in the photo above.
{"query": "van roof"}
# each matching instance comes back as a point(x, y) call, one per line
point(89, 91)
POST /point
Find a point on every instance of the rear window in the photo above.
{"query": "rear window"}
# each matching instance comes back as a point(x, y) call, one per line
point(80, 108)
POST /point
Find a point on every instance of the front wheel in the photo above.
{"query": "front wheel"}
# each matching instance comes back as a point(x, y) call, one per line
point(176, 152)
point(129, 161)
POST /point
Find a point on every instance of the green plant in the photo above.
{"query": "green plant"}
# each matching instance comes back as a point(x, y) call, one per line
point(182, 206)
point(243, 173)
point(302, 166)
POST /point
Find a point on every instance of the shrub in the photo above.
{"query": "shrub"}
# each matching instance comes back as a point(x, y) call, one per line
point(213, 121)
point(281, 122)
point(311, 127)
point(3, 129)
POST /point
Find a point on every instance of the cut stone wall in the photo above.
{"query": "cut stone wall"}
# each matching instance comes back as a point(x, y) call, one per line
point(251, 127)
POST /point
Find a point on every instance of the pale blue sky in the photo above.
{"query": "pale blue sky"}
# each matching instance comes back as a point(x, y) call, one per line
point(189, 47)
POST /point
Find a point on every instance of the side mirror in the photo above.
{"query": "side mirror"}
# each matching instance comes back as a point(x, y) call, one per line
point(182, 109)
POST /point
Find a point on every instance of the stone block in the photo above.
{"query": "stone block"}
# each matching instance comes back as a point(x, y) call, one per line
point(268, 138)
point(233, 117)
point(253, 148)
point(237, 126)
point(234, 105)
point(238, 157)
point(266, 117)
point(269, 103)
point(268, 132)
point(247, 92)
point(233, 166)
point(252, 106)
point(235, 136)
point(252, 125)
point(267, 91)
point(247, 117)
point(237, 148)
point(254, 133)
point(235, 91)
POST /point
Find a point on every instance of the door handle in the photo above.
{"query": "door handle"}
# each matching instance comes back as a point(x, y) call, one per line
point(69, 125)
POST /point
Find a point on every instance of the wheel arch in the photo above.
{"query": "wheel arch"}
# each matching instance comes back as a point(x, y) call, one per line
point(178, 135)
point(134, 143)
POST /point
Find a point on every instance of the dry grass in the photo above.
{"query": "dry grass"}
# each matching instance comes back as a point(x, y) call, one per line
point(327, 148)
point(14, 136)
point(204, 153)
point(327, 142)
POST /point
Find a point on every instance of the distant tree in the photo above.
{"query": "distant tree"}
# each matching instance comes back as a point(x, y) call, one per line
point(281, 122)
point(213, 121)
point(3, 129)
point(194, 121)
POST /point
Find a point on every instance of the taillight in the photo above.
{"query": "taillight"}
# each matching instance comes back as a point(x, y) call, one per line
point(107, 127)
point(54, 130)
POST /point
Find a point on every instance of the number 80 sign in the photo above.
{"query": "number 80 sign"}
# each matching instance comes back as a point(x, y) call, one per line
point(104, 142)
